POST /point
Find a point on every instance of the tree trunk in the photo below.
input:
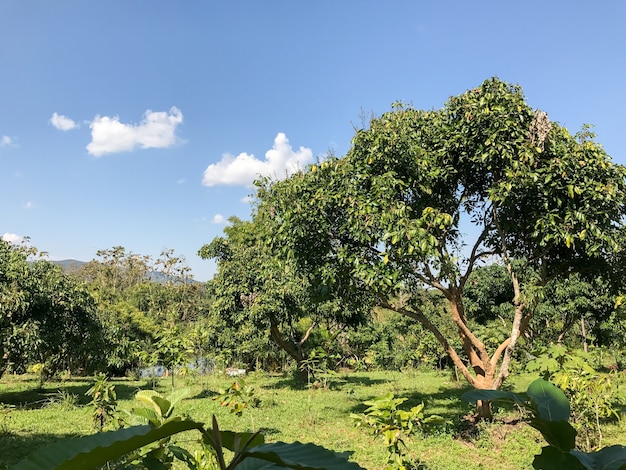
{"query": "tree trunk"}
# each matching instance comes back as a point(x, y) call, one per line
point(483, 410)
point(583, 331)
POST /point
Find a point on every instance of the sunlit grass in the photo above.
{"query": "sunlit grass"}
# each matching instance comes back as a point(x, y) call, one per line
point(292, 413)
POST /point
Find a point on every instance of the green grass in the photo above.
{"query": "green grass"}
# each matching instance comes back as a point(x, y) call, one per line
point(290, 413)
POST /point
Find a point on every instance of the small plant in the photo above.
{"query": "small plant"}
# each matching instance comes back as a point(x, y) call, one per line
point(320, 372)
point(103, 401)
point(384, 419)
point(157, 411)
point(39, 369)
point(239, 397)
point(63, 400)
point(593, 396)
point(549, 411)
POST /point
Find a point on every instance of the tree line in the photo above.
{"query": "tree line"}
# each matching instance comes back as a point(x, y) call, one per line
point(467, 235)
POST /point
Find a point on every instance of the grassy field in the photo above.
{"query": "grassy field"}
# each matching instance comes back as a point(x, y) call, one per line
point(31, 418)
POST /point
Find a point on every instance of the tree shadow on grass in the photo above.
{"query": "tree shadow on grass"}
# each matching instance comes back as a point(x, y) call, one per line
point(206, 393)
point(15, 446)
point(40, 397)
point(334, 383)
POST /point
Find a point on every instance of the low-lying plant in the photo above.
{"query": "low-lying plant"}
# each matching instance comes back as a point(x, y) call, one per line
point(149, 446)
point(549, 411)
point(594, 397)
point(384, 418)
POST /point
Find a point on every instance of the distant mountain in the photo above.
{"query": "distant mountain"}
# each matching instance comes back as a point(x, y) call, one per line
point(69, 265)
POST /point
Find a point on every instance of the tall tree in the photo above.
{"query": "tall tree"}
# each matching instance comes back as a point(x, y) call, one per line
point(424, 197)
point(256, 290)
point(45, 315)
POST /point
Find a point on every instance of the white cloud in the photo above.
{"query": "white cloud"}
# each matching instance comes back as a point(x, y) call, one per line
point(218, 219)
point(6, 141)
point(29, 204)
point(156, 130)
point(280, 161)
point(12, 238)
point(63, 123)
point(247, 199)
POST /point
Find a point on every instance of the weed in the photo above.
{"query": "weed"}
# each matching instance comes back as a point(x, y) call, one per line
point(63, 400)
point(239, 397)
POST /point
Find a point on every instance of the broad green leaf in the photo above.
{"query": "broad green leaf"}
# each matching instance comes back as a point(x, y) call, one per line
point(149, 414)
point(551, 402)
point(96, 450)
point(493, 395)
point(559, 434)
point(553, 459)
point(177, 396)
point(147, 397)
point(608, 458)
point(296, 455)
point(235, 440)
point(163, 404)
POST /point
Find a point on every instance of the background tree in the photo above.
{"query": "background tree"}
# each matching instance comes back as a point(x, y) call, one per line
point(138, 302)
point(424, 197)
point(257, 292)
point(46, 316)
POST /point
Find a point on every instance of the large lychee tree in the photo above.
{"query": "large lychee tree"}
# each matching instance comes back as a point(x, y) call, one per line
point(423, 197)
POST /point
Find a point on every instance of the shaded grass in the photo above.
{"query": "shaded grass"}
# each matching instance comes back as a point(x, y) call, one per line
point(290, 413)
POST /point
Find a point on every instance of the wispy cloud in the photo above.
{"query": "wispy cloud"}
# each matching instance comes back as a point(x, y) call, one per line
point(6, 141)
point(63, 123)
point(156, 130)
point(218, 219)
point(29, 205)
point(12, 238)
point(241, 170)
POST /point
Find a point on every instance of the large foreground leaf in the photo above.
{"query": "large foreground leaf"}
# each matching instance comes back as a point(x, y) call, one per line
point(234, 441)
point(494, 395)
point(95, 450)
point(559, 434)
point(295, 455)
point(608, 458)
point(552, 458)
point(551, 402)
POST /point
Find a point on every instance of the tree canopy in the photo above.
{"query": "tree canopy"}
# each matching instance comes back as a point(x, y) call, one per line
point(46, 316)
point(258, 292)
point(423, 197)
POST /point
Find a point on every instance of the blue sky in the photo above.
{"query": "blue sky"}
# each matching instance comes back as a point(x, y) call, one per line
point(142, 123)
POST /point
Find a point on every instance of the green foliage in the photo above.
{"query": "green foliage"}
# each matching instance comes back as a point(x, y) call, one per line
point(136, 312)
point(550, 412)
point(260, 298)
point(384, 418)
point(580, 311)
point(172, 350)
point(396, 214)
point(103, 401)
point(594, 396)
point(46, 316)
point(489, 294)
point(319, 367)
point(238, 397)
point(63, 400)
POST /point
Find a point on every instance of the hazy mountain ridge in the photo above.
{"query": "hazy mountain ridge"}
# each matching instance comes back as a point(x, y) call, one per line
point(72, 265)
